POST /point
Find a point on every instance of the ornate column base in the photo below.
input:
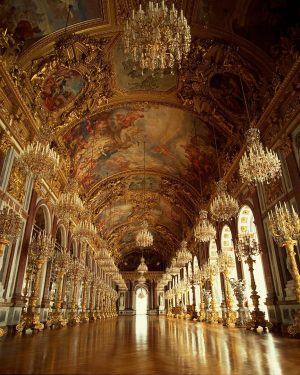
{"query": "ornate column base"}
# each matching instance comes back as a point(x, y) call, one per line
point(73, 319)
point(214, 317)
point(294, 328)
point(56, 320)
point(83, 317)
point(30, 320)
point(258, 320)
point(242, 318)
point(3, 332)
point(230, 319)
point(92, 316)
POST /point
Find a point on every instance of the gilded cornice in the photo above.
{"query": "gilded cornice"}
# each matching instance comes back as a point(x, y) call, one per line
point(133, 276)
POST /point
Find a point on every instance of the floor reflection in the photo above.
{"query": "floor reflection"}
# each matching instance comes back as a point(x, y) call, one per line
point(149, 345)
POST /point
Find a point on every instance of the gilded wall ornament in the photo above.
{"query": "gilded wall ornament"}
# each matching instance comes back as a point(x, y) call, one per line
point(17, 183)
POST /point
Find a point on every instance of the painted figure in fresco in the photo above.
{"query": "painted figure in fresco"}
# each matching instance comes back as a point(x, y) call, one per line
point(61, 87)
point(227, 90)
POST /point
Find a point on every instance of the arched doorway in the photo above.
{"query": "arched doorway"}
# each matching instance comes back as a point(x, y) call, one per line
point(246, 225)
point(141, 298)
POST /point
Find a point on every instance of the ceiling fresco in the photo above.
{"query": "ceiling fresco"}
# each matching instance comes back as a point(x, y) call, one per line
point(32, 19)
point(60, 88)
point(176, 143)
point(101, 111)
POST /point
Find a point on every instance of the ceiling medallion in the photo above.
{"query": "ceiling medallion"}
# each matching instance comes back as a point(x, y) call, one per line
point(224, 206)
point(204, 230)
point(258, 164)
point(156, 39)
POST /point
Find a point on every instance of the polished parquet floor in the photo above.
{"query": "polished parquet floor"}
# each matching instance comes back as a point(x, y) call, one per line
point(149, 345)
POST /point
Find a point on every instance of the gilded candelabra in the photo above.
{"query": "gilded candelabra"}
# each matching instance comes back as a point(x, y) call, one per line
point(202, 304)
point(41, 248)
point(210, 271)
point(92, 313)
point(61, 265)
point(247, 247)
point(239, 289)
point(86, 280)
point(225, 262)
point(285, 228)
point(10, 228)
point(76, 272)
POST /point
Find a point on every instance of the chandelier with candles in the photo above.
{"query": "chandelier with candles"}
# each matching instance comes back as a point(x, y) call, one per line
point(69, 204)
point(258, 164)
point(10, 227)
point(204, 230)
point(224, 206)
point(38, 158)
point(183, 255)
point(142, 267)
point(144, 238)
point(157, 38)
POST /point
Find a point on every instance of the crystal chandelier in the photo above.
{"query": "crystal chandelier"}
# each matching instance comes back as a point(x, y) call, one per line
point(284, 225)
point(10, 227)
point(204, 231)
point(156, 39)
point(174, 269)
point(258, 164)
point(38, 158)
point(142, 268)
point(183, 255)
point(144, 238)
point(224, 206)
point(85, 230)
point(69, 204)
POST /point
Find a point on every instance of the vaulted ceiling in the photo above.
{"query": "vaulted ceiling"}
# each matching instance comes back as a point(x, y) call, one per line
point(103, 112)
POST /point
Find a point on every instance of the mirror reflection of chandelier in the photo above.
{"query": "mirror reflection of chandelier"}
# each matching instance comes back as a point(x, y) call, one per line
point(157, 38)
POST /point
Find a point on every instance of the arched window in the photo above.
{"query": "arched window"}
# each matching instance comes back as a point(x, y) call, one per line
point(227, 247)
point(246, 225)
point(141, 294)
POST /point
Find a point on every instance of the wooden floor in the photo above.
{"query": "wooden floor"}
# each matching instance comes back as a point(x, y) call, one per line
point(149, 345)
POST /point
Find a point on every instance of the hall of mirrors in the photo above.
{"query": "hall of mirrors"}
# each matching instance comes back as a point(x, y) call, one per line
point(149, 186)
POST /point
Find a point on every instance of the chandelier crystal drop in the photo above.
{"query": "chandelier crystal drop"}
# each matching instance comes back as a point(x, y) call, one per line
point(10, 227)
point(284, 224)
point(40, 160)
point(142, 268)
point(144, 238)
point(156, 39)
point(258, 164)
point(204, 230)
point(224, 206)
point(183, 255)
